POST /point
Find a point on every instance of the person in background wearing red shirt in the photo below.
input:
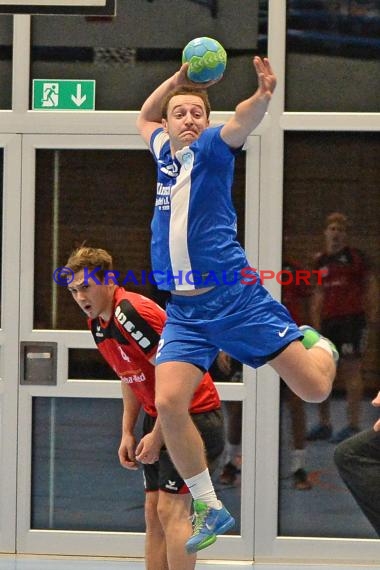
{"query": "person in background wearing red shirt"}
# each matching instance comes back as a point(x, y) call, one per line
point(126, 328)
point(341, 308)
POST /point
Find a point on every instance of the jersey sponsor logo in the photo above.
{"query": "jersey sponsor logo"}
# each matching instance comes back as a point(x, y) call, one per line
point(134, 378)
point(134, 331)
point(163, 197)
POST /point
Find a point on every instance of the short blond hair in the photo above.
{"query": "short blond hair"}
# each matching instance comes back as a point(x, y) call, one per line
point(337, 218)
point(90, 258)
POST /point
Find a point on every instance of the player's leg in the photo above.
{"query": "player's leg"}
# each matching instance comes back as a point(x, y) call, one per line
point(176, 383)
point(323, 429)
point(298, 453)
point(351, 368)
point(309, 373)
point(179, 362)
point(174, 514)
point(256, 329)
point(155, 543)
point(352, 333)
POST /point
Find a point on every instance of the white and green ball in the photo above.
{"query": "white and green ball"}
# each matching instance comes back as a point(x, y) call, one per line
point(207, 59)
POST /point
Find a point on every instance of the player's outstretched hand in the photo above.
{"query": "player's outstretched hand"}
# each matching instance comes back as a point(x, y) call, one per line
point(266, 77)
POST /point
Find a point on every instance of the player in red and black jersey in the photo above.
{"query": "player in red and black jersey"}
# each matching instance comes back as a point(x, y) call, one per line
point(341, 307)
point(126, 328)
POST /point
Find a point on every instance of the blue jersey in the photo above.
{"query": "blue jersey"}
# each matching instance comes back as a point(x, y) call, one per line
point(194, 224)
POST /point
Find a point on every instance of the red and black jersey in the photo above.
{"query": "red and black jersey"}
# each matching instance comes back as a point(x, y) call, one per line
point(294, 292)
point(344, 276)
point(129, 340)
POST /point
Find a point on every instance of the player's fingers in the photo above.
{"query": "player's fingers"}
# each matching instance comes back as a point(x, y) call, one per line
point(132, 465)
point(376, 400)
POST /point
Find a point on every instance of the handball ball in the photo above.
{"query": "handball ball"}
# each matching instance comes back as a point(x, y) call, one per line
point(207, 59)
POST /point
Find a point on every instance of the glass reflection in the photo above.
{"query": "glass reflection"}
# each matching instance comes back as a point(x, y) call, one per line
point(120, 53)
point(6, 32)
point(88, 364)
point(335, 237)
point(335, 45)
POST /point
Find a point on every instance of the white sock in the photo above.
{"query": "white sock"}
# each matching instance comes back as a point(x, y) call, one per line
point(298, 459)
point(323, 343)
point(232, 451)
point(201, 487)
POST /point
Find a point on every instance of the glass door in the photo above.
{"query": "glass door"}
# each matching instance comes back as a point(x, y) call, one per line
point(74, 498)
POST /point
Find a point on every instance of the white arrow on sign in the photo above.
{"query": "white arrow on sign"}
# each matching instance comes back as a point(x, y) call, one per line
point(78, 99)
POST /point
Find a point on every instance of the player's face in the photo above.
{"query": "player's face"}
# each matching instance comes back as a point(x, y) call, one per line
point(186, 120)
point(336, 237)
point(95, 300)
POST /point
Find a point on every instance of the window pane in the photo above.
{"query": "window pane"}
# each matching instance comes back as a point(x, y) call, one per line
point(6, 32)
point(130, 54)
point(101, 202)
point(77, 481)
point(336, 46)
point(227, 478)
point(88, 364)
point(347, 184)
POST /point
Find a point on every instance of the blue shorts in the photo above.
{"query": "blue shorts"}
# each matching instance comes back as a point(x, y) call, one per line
point(242, 320)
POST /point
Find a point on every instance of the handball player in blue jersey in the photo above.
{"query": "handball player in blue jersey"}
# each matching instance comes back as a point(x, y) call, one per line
point(215, 302)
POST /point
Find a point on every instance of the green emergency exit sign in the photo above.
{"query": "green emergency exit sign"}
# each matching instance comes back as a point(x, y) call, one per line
point(64, 94)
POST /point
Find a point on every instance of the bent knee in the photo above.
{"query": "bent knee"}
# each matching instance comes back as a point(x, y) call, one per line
point(173, 405)
point(173, 510)
point(315, 390)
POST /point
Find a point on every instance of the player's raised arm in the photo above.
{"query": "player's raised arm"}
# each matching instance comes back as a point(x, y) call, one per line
point(250, 112)
point(150, 117)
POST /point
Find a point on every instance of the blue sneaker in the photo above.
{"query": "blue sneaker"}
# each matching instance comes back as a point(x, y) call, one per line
point(311, 337)
point(208, 522)
point(319, 432)
point(344, 433)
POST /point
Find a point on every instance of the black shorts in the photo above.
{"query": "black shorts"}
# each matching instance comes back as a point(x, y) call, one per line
point(163, 475)
point(349, 334)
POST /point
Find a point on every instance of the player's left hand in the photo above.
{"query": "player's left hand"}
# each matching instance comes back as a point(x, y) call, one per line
point(182, 79)
point(148, 449)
